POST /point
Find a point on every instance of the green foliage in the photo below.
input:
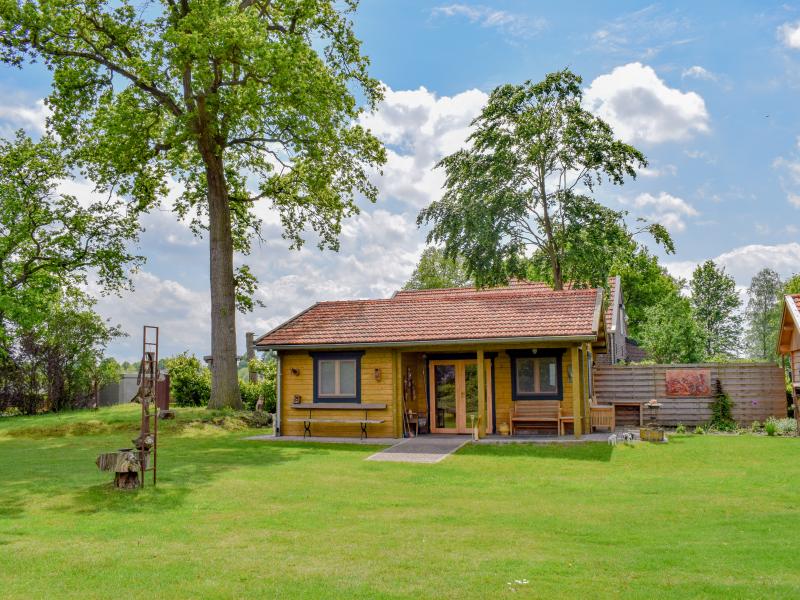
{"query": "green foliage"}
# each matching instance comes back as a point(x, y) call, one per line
point(189, 380)
point(785, 426)
point(524, 189)
point(755, 426)
point(49, 241)
point(645, 283)
point(435, 270)
point(104, 372)
point(266, 388)
point(792, 285)
point(58, 364)
point(722, 410)
point(680, 429)
point(715, 303)
point(699, 430)
point(670, 334)
point(763, 314)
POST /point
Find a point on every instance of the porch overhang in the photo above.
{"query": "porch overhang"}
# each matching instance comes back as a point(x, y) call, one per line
point(567, 340)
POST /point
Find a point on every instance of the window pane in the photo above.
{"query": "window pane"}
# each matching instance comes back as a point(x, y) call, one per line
point(327, 378)
point(525, 375)
point(445, 396)
point(347, 377)
point(548, 382)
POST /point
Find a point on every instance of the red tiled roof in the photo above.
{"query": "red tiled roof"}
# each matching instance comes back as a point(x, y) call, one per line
point(521, 310)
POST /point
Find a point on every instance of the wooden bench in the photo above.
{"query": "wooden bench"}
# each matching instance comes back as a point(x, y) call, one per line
point(348, 406)
point(530, 413)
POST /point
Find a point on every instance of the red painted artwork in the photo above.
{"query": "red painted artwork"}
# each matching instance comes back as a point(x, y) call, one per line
point(688, 383)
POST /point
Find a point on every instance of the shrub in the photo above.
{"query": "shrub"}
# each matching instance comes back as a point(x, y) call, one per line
point(266, 387)
point(721, 410)
point(780, 426)
point(755, 426)
point(189, 380)
point(699, 430)
point(251, 391)
point(681, 428)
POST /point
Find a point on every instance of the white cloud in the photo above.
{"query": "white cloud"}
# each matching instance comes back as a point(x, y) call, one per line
point(653, 172)
point(181, 313)
point(666, 209)
point(32, 117)
point(513, 24)
point(744, 262)
point(789, 35)
point(698, 72)
point(420, 129)
point(642, 33)
point(642, 108)
point(790, 178)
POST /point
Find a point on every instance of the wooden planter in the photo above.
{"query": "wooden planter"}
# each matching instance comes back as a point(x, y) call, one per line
point(652, 434)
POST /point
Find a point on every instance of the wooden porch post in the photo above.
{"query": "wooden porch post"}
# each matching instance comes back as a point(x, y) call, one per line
point(576, 391)
point(481, 394)
point(397, 393)
point(585, 375)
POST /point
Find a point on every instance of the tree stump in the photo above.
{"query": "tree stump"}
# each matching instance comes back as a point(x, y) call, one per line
point(127, 481)
point(125, 464)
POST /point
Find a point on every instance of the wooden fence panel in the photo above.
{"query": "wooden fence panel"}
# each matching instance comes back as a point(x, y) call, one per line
point(756, 389)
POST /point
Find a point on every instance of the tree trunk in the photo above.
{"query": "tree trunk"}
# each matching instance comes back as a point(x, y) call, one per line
point(558, 278)
point(224, 375)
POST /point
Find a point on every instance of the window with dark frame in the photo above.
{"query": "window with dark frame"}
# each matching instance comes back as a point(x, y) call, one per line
point(337, 377)
point(536, 376)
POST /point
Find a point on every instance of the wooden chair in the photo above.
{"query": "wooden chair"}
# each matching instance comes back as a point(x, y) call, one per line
point(602, 415)
point(531, 413)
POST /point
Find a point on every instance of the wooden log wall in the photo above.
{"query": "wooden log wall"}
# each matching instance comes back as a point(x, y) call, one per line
point(756, 389)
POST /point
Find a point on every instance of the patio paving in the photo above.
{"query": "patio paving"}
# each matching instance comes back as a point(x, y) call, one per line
point(422, 449)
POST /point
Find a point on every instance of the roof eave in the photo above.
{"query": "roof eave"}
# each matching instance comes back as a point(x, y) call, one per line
point(598, 310)
point(446, 342)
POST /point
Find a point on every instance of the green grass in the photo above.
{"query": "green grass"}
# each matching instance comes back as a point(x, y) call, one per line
point(703, 516)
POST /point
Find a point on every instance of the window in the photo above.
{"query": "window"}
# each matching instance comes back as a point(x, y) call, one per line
point(337, 377)
point(536, 376)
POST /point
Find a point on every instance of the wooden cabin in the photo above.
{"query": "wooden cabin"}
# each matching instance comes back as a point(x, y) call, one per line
point(789, 340)
point(515, 358)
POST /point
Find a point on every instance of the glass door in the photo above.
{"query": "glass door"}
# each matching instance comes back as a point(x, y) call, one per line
point(444, 397)
point(454, 395)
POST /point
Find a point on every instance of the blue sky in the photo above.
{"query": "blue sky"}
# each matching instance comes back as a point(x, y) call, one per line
point(709, 91)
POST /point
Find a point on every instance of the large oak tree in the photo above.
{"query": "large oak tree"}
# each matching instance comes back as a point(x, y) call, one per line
point(240, 101)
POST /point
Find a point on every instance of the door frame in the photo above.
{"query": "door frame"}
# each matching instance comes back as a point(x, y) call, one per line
point(462, 427)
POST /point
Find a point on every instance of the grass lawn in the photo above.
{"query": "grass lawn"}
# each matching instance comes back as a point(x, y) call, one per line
point(701, 516)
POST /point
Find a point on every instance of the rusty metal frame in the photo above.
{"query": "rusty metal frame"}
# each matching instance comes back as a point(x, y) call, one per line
point(148, 387)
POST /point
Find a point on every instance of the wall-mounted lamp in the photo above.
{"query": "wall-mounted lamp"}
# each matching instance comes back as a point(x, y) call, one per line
point(296, 399)
point(377, 374)
point(295, 371)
